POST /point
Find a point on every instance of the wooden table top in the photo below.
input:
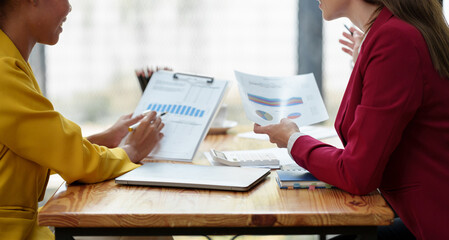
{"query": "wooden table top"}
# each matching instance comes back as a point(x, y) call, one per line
point(107, 204)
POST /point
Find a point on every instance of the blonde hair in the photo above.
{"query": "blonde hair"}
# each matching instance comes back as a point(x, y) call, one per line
point(427, 16)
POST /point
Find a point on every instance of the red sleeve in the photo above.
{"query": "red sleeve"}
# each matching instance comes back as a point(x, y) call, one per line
point(391, 94)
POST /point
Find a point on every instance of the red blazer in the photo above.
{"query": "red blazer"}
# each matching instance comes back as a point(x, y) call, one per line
point(394, 124)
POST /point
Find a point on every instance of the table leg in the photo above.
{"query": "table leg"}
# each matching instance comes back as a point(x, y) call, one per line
point(62, 235)
point(368, 237)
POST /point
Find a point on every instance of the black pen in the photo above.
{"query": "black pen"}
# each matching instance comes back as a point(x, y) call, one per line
point(352, 33)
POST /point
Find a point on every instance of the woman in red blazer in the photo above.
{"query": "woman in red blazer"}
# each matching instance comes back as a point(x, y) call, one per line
point(394, 117)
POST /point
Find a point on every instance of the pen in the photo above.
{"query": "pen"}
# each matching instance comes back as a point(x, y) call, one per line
point(352, 33)
point(134, 126)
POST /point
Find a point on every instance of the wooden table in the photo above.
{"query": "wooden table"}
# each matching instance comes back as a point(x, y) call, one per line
point(106, 209)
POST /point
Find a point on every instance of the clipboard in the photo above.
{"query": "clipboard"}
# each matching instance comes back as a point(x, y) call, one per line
point(191, 103)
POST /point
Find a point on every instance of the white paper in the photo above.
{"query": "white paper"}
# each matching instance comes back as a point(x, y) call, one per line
point(267, 100)
point(190, 104)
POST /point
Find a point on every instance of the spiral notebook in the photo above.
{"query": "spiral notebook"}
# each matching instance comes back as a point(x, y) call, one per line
point(298, 179)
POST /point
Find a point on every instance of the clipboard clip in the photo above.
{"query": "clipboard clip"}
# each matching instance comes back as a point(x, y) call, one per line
point(178, 75)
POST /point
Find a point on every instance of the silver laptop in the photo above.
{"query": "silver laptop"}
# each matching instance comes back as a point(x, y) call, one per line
point(194, 176)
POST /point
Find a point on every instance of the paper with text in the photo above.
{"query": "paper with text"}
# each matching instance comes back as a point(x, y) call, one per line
point(267, 100)
point(190, 102)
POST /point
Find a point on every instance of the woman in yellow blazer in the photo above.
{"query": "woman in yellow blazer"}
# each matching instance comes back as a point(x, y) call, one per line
point(34, 138)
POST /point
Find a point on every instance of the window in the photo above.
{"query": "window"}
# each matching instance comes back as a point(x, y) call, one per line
point(90, 71)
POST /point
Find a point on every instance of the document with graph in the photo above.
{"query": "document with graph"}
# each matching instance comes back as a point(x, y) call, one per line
point(190, 103)
point(267, 100)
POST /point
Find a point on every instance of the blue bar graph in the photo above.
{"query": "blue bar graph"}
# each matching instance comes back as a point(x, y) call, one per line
point(172, 110)
point(176, 109)
point(191, 112)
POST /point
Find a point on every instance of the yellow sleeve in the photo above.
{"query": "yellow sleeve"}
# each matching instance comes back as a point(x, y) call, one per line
point(31, 128)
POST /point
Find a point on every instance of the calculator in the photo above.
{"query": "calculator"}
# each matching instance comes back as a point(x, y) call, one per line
point(245, 158)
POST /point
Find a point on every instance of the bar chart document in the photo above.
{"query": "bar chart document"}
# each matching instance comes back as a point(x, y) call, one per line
point(267, 100)
point(190, 103)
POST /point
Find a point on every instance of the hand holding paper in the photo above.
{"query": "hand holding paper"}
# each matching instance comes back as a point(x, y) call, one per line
point(267, 100)
point(279, 133)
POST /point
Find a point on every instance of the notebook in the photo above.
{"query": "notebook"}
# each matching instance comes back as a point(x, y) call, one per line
point(297, 179)
point(194, 176)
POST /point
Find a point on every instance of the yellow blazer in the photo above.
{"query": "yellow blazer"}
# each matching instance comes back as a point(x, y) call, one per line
point(35, 139)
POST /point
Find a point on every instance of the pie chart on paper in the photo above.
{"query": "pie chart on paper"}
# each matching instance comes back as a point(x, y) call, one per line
point(264, 115)
point(294, 115)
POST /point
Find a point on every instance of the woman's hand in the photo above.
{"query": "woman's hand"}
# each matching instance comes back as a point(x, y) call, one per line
point(144, 138)
point(279, 133)
point(352, 43)
point(113, 136)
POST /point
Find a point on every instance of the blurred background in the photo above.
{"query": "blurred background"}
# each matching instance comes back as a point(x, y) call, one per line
point(90, 73)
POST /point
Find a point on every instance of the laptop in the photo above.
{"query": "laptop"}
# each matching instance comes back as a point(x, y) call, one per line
point(194, 176)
